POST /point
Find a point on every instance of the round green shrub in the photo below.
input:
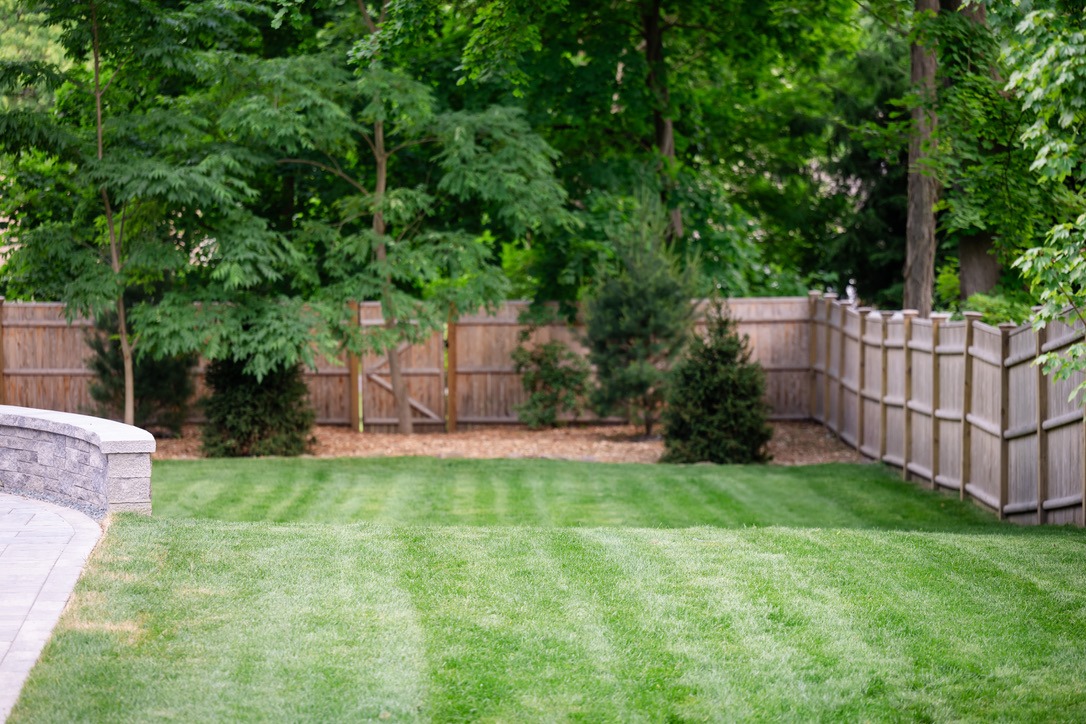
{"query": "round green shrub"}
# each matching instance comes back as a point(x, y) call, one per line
point(716, 410)
point(249, 417)
point(556, 380)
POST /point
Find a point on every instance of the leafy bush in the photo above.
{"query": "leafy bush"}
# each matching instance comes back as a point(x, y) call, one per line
point(636, 324)
point(999, 307)
point(556, 380)
point(247, 416)
point(716, 411)
point(163, 387)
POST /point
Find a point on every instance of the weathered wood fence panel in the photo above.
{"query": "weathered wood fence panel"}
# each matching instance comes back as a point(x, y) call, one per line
point(956, 403)
point(423, 367)
point(43, 357)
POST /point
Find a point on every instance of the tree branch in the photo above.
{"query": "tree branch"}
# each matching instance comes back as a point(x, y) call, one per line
point(891, 25)
point(370, 25)
point(407, 144)
point(330, 169)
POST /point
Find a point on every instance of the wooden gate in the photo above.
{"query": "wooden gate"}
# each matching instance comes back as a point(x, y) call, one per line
point(423, 367)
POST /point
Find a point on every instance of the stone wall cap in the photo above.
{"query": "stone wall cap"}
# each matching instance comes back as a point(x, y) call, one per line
point(109, 436)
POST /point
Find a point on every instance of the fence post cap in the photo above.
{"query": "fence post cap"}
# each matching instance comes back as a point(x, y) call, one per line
point(937, 317)
point(814, 294)
point(830, 295)
point(972, 316)
point(908, 313)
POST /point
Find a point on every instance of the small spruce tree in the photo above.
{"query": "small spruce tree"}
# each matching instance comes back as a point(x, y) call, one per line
point(716, 410)
point(637, 322)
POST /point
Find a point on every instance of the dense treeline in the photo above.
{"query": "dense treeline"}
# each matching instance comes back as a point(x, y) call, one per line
point(273, 160)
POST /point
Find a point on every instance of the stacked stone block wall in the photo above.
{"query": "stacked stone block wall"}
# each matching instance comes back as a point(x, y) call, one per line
point(93, 465)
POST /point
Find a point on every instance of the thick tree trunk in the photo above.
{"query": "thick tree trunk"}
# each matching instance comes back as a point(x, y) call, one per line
point(979, 266)
point(652, 32)
point(399, 384)
point(923, 189)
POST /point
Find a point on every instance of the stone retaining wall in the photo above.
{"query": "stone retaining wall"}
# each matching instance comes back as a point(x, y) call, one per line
point(93, 465)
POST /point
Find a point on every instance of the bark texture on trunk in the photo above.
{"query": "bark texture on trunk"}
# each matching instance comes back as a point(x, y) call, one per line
point(923, 189)
point(652, 33)
point(979, 267)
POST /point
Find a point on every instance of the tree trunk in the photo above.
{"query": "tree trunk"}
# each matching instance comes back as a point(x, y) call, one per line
point(652, 32)
point(979, 266)
point(399, 385)
point(920, 222)
point(114, 233)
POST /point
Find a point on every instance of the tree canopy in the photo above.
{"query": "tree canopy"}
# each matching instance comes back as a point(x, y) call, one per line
point(226, 177)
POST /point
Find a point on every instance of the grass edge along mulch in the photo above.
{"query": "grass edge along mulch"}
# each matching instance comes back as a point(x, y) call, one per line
point(437, 619)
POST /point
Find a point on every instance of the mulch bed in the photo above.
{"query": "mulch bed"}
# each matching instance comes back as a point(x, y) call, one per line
point(794, 443)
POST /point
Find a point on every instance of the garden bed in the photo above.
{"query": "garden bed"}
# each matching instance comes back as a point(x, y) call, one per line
point(793, 443)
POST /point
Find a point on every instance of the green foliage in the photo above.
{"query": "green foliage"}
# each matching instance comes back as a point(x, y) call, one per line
point(1049, 62)
point(638, 319)
point(716, 409)
point(556, 380)
point(984, 168)
point(999, 307)
point(247, 416)
point(948, 285)
point(163, 386)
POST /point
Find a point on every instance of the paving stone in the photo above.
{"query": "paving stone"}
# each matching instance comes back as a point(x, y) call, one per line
point(43, 548)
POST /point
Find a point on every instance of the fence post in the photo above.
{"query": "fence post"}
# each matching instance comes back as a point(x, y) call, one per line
point(936, 394)
point(812, 347)
point(907, 421)
point(967, 404)
point(882, 385)
point(861, 371)
point(3, 380)
point(1042, 434)
point(829, 298)
point(1004, 413)
point(841, 346)
point(354, 380)
point(451, 376)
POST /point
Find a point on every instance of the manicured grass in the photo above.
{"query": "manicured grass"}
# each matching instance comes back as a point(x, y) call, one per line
point(424, 491)
point(522, 591)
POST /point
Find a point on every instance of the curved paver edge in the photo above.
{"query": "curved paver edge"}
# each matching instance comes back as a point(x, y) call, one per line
point(87, 463)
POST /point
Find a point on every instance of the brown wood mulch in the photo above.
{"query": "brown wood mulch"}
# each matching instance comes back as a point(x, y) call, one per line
point(793, 443)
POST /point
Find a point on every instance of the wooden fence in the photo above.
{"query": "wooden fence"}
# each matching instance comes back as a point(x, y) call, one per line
point(958, 404)
point(954, 403)
point(460, 379)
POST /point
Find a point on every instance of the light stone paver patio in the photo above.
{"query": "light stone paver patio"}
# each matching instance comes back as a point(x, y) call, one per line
point(43, 548)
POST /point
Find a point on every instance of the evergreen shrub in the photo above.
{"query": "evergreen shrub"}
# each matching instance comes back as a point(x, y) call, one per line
point(556, 380)
point(636, 324)
point(249, 417)
point(716, 410)
point(163, 387)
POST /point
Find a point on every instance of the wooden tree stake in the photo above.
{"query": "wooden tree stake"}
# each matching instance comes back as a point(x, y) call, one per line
point(812, 346)
point(452, 376)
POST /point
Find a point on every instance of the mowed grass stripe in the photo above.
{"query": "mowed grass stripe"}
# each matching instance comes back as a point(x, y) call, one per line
point(211, 620)
point(420, 491)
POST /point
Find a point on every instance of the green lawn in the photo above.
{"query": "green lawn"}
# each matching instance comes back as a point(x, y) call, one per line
point(353, 590)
